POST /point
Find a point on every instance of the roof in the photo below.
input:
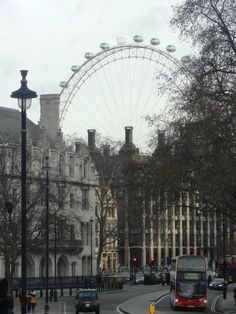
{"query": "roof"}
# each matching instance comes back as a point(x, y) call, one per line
point(10, 127)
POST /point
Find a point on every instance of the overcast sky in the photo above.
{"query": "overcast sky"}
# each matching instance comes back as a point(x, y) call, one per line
point(47, 37)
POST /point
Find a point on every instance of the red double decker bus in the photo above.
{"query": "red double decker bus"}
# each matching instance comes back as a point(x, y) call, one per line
point(188, 284)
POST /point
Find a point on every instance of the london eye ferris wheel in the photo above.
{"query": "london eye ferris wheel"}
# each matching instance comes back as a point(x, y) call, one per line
point(117, 87)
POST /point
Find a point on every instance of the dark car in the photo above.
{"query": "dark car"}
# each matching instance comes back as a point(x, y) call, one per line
point(217, 284)
point(86, 300)
point(163, 278)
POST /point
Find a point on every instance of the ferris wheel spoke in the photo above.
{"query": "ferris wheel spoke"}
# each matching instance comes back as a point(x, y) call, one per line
point(143, 78)
point(116, 88)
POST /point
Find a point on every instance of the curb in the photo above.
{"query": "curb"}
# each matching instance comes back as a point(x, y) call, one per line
point(156, 300)
point(111, 292)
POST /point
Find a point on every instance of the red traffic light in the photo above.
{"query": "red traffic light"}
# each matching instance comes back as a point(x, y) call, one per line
point(134, 260)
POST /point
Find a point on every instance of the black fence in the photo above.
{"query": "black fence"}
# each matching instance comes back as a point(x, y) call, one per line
point(100, 283)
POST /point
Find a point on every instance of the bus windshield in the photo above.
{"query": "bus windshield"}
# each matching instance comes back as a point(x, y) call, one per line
point(191, 290)
point(191, 262)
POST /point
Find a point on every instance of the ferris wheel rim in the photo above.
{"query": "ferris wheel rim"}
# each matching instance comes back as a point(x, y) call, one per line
point(104, 54)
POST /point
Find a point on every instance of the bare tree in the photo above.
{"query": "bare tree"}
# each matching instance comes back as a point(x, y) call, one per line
point(202, 133)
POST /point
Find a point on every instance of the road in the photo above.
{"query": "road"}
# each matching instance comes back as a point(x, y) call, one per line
point(164, 307)
point(109, 301)
point(133, 298)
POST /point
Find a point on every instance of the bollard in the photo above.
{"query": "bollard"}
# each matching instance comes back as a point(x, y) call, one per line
point(51, 295)
point(152, 307)
point(46, 309)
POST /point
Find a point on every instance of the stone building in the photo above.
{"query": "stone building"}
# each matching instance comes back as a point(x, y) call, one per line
point(106, 207)
point(72, 183)
point(153, 225)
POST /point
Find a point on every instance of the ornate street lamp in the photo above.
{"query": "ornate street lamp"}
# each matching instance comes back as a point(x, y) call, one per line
point(91, 244)
point(24, 96)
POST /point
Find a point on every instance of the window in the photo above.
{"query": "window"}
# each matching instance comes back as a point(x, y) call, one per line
point(72, 233)
point(60, 197)
point(85, 169)
point(61, 165)
point(73, 268)
point(87, 233)
point(72, 201)
point(82, 231)
point(71, 166)
point(85, 199)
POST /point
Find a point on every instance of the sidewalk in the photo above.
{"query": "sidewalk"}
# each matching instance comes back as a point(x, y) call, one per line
point(55, 308)
point(228, 305)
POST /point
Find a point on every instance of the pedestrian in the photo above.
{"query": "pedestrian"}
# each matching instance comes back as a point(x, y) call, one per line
point(33, 300)
point(6, 300)
point(20, 296)
point(225, 286)
point(235, 296)
point(28, 301)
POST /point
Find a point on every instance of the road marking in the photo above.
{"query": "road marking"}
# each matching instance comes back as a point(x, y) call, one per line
point(121, 311)
point(118, 309)
point(162, 297)
point(213, 304)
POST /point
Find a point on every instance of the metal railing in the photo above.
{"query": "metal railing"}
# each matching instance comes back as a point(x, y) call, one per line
point(101, 283)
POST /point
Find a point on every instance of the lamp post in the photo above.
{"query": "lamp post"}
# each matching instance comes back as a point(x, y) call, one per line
point(47, 233)
point(224, 261)
point(55, 259)
point(91, 244)
point(24, 96)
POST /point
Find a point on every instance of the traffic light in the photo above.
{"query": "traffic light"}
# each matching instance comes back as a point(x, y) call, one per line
point(134, 261)
point(152, 261)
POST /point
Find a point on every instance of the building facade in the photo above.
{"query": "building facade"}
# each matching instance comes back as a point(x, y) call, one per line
point(72, 183)
point(155, 225)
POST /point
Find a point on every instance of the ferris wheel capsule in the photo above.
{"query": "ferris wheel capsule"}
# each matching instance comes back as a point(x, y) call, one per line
point(63, 84)
point(104, 46)
point(138, 38)
point(120, 40)
point(88, 55)
point(185, 59)
point(171, 48)
point(74, 68)
point(155, 41)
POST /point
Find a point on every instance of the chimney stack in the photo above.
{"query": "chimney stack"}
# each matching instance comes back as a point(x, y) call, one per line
point(49, 114)
point(106, 150)
point(128, 134)
point(78, 147)
point(91, 138)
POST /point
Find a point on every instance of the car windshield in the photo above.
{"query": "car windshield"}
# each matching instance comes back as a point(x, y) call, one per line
point(218, 280)
point(87, 295)
point(191, 290)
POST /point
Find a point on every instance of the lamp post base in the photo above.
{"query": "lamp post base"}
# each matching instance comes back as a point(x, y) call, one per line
point(46, 309)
